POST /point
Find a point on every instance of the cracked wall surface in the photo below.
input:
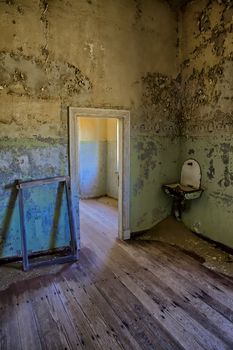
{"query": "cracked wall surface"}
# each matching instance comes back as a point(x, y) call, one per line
point(171, 66)
point(54, 54)
point(207, 112)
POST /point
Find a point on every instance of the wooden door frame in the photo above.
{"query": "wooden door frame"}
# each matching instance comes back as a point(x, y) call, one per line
point(123, 117)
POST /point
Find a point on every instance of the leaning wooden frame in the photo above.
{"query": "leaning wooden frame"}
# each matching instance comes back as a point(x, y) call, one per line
point(73, 241)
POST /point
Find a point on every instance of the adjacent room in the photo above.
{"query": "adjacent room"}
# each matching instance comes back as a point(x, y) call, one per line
point(116, 174)
point(98, 173)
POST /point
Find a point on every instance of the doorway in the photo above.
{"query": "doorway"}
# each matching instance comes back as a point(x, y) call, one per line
point(122, 117)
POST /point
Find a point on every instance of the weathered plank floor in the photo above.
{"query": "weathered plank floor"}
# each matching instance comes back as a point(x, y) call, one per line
point(136, 295)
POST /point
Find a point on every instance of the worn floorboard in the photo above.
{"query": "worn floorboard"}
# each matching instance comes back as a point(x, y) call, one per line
point(120, 295)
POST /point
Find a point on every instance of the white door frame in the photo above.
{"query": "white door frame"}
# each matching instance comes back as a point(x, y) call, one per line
point(123, 117)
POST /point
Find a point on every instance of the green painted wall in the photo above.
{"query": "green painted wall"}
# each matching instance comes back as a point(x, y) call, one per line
point(154, 162)
point(212, 214)
point(207, 113)
point(45, 208)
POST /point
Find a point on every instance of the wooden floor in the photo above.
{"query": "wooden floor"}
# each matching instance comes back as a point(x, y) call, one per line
point(121, 295)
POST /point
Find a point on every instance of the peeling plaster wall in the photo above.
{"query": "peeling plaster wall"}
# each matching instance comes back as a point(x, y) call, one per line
point(107, 53)
point(155, 161)
point(207, 113)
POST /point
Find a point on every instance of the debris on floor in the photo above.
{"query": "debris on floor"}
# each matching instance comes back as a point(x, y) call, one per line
point(177, 234)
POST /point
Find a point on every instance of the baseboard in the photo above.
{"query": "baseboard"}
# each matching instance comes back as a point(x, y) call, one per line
point(126, 235)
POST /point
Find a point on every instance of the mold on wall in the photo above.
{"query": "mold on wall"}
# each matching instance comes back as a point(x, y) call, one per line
point(49, 61)
point(207, 113)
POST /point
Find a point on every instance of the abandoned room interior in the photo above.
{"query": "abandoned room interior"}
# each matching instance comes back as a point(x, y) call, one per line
point(116, 174)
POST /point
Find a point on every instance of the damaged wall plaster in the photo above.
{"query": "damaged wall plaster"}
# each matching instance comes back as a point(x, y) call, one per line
point(207, 112)
point(174, 73)
point(55, 54)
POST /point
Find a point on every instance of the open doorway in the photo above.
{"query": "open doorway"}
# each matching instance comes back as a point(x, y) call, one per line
point(87, 177)
point(98, 184)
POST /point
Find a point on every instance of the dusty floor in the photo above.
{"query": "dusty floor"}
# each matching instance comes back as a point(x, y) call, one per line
point(169, 231)
point(175, 233)
point(136, 295)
